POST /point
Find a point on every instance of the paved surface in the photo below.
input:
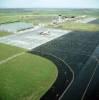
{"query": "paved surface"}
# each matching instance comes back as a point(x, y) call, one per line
point(77, 49)
point(14, 27)
point(73, 53)
point(65, 77)
point(86, 20)
point(92, 90)
point(95, 21)
point(32, 39)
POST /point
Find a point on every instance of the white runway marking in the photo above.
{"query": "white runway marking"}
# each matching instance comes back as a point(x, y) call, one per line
point(82, 98)
point(73, 76)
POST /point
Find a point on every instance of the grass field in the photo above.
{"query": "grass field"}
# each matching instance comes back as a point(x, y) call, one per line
point(4, 33)
point(25, 77)
point(7, 51)
point(77, 26)
point(36, 16)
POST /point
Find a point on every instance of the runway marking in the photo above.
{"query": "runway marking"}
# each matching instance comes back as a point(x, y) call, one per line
point(69, 83)
point(72, 71)
point(12, 57)
point(73, 76)
point(82, 98)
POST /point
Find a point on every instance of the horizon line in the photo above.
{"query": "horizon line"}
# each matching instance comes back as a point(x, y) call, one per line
point(47, 8)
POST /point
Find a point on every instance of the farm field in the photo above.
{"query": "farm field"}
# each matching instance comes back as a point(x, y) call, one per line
point(26, 76)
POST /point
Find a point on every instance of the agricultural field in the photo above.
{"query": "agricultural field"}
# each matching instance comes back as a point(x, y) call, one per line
point(24, 76)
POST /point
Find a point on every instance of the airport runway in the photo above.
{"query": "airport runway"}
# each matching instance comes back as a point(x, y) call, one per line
point(77, 50)
point(73, 53)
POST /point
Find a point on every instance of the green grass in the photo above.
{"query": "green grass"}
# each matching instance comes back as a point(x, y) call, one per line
point(4, 33)
point(36, 16)
point(35, 19)
point(77, 26)
point(6, 19)
point(26, 77)
point(7, 51)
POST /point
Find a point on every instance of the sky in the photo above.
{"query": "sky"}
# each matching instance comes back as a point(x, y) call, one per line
point(49, 3)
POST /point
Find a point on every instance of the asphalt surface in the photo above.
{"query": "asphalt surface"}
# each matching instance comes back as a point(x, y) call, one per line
point(75, 55)
point(76, 49)
point(64, 74)
point(95, 21)
point(92, 92)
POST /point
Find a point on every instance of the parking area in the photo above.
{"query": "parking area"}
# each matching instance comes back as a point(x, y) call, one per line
point(32, 39)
